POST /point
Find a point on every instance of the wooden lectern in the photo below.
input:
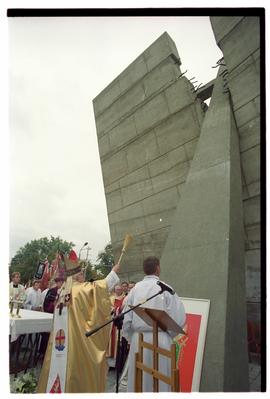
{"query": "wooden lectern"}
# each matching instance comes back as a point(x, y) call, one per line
point(157, 319)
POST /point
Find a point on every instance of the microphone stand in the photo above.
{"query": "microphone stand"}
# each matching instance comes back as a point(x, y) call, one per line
point(118, 322)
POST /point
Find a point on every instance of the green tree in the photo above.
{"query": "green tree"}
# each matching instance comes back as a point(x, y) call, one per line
point(90, 271)
point(26, 259)
point(105, 261)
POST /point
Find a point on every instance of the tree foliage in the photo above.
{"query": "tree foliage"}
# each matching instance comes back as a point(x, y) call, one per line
point(90, 271)
point(105, 260)
point(102, 267)
point(26, 259)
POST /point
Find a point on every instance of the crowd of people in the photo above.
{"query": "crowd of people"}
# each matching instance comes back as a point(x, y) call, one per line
point(32, 297)
point(80, 365)
point(35, 299)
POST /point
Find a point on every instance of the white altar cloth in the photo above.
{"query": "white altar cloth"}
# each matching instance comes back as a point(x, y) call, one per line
point(30, 322)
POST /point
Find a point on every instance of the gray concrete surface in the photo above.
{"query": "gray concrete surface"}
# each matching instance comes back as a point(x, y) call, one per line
point(204, 252)
point(239, 40)
point(148, 125)
point(147, 134)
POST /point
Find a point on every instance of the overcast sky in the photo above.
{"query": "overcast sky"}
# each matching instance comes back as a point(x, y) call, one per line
point(57, 66)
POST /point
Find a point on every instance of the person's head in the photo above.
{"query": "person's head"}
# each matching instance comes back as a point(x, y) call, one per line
point(51, 284)
point(59, 282)
point(131, 284)
point(118, 290)
point(16, 277)
point(151, 266)
point(36, 284)
point(80, 277)
point(124, 286)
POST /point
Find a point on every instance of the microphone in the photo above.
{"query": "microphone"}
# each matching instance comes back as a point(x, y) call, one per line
point(165, 287)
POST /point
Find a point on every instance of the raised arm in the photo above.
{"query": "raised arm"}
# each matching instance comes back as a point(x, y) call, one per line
point(112, 278)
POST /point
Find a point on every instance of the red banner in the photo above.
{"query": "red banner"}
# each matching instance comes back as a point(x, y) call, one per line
point(188, 353)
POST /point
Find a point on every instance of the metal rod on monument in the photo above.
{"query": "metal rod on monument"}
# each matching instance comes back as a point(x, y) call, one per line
point(128, 239)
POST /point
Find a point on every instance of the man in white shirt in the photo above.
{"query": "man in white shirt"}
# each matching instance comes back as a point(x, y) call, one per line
point(33, 297)
point(133, 324)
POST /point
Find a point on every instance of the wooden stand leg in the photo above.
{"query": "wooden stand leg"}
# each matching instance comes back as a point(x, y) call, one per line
point(138, 375)
point(142, 369)
point(174, 370)
point(155, 355)
point(138, 371)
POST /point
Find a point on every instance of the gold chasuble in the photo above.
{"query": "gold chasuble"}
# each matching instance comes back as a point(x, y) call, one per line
point(86, 367)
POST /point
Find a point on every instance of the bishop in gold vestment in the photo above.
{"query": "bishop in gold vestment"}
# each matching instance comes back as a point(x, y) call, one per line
point(86, 366)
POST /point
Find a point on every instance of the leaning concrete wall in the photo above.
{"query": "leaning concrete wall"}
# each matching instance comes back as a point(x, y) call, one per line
point(148, 122)
point(204, 253)
point(239, 40)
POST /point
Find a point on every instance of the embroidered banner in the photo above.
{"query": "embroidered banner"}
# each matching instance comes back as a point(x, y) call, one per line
point(57, 373)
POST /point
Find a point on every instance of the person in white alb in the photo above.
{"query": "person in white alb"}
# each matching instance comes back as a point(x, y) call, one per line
point(16, 290)
point(133, 324)
point(33, 299)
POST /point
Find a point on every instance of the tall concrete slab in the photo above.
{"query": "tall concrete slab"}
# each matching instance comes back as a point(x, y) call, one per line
point(148, 122)
point(204, 252)
point(239, 40)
